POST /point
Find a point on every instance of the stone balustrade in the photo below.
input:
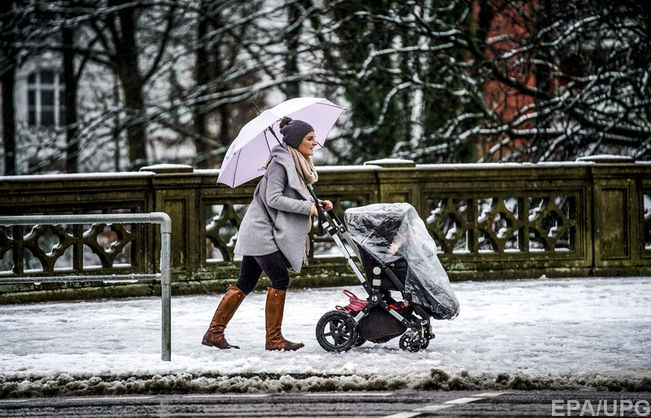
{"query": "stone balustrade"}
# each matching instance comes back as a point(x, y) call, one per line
point(490, 221)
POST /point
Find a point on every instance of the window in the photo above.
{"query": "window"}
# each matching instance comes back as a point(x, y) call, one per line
point(45, 99)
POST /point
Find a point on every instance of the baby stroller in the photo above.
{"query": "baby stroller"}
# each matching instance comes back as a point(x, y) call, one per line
point(397, 254)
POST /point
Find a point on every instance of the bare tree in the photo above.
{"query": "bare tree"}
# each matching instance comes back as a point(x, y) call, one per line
point(296, 13)
point(70, 81)
point(203, 78)
point(239, 57)
point(496, 80)
point(23, 34)
point(19, 38)
point(221, 27)
point(9, 58)
point(116, 29)
point(576, 79)
point(72, 14)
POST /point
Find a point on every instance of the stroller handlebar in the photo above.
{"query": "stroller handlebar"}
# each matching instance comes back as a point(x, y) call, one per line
point(334, 226)
point(319, 205)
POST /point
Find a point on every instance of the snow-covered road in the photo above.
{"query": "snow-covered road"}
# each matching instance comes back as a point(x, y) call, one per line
point(545, 332)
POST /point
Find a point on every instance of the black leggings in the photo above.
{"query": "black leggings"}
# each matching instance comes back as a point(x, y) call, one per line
point(274, 265)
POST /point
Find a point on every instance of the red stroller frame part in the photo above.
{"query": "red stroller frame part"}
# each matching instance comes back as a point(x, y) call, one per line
point(355, 304)
point(379, 318)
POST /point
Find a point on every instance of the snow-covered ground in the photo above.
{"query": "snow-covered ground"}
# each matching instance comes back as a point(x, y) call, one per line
point(548, 333)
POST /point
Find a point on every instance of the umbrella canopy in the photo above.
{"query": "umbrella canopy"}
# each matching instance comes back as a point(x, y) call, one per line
point(247, 155)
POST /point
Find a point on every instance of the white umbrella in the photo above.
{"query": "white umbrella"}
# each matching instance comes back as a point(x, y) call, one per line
point(249, 152)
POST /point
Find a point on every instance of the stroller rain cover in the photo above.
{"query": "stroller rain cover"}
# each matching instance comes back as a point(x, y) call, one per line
point(391, 231)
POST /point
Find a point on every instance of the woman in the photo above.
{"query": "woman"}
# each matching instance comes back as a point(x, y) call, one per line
point(273, 234)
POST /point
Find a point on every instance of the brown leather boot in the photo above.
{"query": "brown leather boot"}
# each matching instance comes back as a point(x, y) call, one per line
point(274, 319)
point(214, 337)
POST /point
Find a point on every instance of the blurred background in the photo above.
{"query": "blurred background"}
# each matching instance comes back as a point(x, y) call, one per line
point(114, 85)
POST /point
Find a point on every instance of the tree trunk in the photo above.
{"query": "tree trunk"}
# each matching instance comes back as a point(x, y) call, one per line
point(224, 117)
point(136, 128)
point(70, 80)
point(9, 119)
point(132, 86)
point(203, 76)
point(8, 55)
point(292, 42)
point(116, 117)
point(542, 73)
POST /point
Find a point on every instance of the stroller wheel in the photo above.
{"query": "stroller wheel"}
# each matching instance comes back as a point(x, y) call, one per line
point(411, 341)
point(424, 345)
point(336, 331)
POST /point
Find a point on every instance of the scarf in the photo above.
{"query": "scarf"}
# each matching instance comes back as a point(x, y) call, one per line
point(304, 167)
point(307, 173)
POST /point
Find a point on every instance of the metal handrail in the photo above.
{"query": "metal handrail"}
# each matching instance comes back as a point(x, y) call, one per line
point(165, 274)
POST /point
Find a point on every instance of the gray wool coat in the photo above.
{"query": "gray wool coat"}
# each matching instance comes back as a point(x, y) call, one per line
point(281, 191)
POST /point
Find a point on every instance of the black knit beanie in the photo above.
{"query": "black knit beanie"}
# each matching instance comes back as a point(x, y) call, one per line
point(294, 131)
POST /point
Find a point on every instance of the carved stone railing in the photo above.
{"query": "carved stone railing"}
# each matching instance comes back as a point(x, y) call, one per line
point(489, 221)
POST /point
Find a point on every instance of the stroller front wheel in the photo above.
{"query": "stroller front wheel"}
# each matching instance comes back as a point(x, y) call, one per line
point(336, 331)
point(411, 341)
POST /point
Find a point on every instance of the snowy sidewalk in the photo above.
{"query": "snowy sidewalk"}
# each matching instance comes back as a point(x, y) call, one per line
point(561, 333)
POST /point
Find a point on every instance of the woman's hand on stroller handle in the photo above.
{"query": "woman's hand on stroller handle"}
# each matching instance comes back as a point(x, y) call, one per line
point(313, 210)
point(326, 205)
point(321, 206)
